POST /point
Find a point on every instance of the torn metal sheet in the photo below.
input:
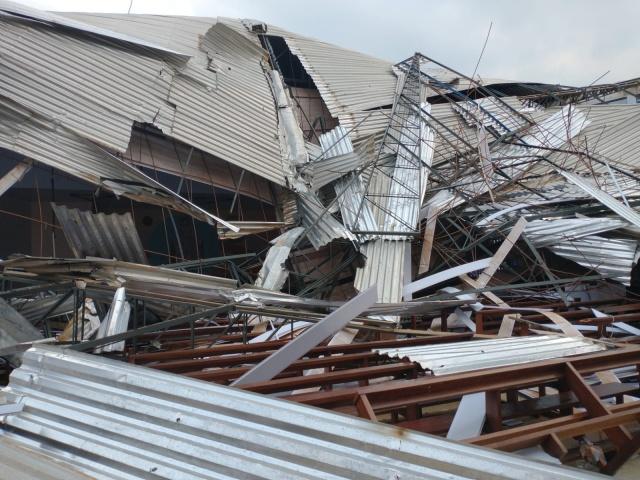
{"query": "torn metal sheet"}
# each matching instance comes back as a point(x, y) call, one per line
point(292, 351)
point(274, 273)
point(350, 192)
point(444, 275)
point(614, 257)
point(116, 321)
point(552, 132)
point(320, 225)
point(478, 354)
point(603, 197)
point(469, 417)
point(248, 228)
point(292, 144)
point(14, 175)
point(488, 112)
point(100, 235)
point(551, 232)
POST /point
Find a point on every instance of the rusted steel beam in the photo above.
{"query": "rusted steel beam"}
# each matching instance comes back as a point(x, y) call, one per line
point(272, 345)
point(569, 430)
point(398, 394)
point(331, 378)
point(504, 437)
point(309, 363)
point(364, 408)
point(595, 407)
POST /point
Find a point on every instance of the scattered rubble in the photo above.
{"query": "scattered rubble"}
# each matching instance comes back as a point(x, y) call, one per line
point(200, 208)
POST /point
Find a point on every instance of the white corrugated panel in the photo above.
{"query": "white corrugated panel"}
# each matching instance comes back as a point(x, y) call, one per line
point(170, 31)
point(475, 355)
point(114, 420)
point(614, 257)
point(384, 267)
point(321, 226)
point(90, 86)
point(32, 14)
point(348, 81)
point(551, 232)
point(237, 119)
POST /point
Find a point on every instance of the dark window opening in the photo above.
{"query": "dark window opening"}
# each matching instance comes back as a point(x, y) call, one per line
point(287, 63)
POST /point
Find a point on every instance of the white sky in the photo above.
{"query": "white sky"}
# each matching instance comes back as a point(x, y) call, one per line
point(572, 42)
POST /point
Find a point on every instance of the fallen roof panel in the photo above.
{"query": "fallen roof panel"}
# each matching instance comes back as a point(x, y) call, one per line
point(130, 420)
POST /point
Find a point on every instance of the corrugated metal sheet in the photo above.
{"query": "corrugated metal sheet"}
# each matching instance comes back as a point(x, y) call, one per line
point(475, 355)
point(608, 256)
point(348, 81)
point(321, 226)
point(220, 101)
point(24, 12)
point(552, 232)
point(603, 197)
point(170, 31)
point(410, 172)
point(489, 112)
point(88, 85)
point(350, 192)
point(136, 277)
point(114, 420)
point(384, 266)
point(236, 119)
point(328, 170)
point(100, 235)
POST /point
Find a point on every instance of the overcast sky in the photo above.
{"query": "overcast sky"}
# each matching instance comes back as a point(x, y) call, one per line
point(572, 42)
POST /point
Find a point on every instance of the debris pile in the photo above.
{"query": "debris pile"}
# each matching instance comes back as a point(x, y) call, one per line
point(200, 208)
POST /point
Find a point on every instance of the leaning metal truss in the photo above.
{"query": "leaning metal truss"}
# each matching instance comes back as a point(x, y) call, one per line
point(394, 191)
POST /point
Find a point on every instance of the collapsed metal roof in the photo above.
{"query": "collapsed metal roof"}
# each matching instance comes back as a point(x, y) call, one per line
point(127, 421)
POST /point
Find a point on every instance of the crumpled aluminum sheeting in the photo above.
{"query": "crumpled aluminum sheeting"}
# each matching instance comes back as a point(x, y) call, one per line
point(552, 232)
point(115, 420)
point(614, 257)
point(321, 227)
point(273, 273)
point(478, 354)
point(100, 235)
